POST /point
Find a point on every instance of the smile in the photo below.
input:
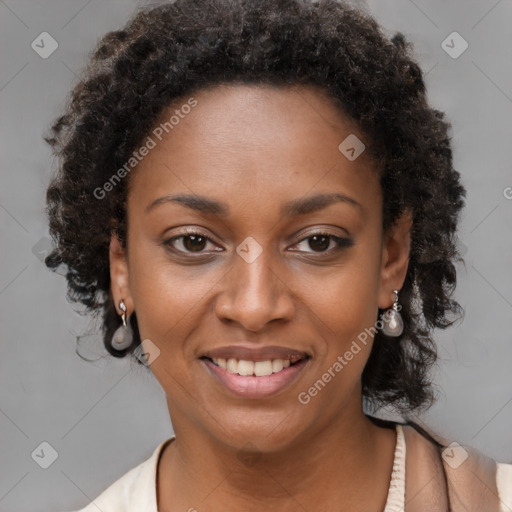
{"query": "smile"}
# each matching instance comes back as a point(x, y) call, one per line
point(257, 368)
point(255, 379)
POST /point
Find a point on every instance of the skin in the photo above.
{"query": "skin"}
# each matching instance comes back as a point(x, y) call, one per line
point(255, 148)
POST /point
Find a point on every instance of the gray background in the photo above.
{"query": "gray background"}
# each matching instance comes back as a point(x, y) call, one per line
point(105, 417)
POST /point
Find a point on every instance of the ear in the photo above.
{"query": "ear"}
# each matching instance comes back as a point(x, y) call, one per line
point(119, 276)
point(395, 259)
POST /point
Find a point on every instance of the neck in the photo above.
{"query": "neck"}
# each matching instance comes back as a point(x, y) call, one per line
point(349, 458)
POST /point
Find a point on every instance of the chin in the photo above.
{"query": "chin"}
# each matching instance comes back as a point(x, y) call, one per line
point(268, 432)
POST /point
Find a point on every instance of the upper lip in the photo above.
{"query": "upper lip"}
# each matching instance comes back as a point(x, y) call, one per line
point(266, 353)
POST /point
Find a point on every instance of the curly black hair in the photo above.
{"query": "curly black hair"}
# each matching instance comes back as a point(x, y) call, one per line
point(168, 51)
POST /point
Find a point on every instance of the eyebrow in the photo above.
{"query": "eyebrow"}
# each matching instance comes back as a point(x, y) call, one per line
point(302, 206)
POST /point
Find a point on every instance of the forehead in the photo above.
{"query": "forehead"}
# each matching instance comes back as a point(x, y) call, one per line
point(253, 143)
point(250, 116)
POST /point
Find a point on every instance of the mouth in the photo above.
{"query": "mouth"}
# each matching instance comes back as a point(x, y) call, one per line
point(252, 379)
point(247, 368)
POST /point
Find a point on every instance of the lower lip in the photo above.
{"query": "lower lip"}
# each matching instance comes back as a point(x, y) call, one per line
point(256, 387)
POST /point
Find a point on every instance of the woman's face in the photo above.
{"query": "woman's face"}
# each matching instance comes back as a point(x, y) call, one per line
point(256, 172)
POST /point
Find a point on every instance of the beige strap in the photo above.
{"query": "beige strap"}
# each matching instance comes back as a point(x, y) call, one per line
point(472, 485)
point(471, 476)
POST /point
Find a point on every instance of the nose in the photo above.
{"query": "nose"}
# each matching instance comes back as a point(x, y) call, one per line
point(255, 293)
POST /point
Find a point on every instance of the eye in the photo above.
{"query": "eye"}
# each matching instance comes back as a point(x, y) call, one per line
point(197, 242)
point(324, 243)
point(190, 242)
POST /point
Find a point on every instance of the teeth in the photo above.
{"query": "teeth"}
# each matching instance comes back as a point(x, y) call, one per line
point(262, 368)
point(277, 365)
point(231, 366)
point(245, 367)
point(258, 368)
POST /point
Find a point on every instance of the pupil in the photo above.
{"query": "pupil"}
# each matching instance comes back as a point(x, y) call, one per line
point(197, 243)
point(314, 242)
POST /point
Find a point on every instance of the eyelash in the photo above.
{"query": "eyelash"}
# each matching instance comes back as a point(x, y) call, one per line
point(341, 242)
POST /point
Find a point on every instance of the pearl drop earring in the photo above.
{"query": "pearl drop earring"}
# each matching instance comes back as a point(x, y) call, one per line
point(123, 336)
point(393, 325)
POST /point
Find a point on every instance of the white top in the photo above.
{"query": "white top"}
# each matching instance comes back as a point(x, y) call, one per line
point(136, 490)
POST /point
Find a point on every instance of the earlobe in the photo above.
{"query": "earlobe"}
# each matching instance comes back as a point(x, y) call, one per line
point(119, 275)
point(395, 258)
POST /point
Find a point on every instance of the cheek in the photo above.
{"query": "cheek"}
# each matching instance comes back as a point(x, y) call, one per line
point(347, 305)
point(165, 297)
point(348, 298)
point(166, 304)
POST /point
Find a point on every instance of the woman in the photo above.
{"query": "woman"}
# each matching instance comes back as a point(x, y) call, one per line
point(258, 200)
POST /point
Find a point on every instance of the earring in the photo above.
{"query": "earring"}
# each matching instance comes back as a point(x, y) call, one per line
point(123, 336)
point(393, 325)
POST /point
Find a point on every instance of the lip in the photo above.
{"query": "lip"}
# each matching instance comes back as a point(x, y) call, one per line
point(256, 354)
point(256, 387)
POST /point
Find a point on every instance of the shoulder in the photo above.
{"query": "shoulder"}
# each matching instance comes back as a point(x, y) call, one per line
point(471, 479)
point(134, 491)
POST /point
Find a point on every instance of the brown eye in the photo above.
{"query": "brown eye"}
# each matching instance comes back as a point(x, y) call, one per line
point(188, 243)
point(194, 243)
point(323, 243)
point(319, 242)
